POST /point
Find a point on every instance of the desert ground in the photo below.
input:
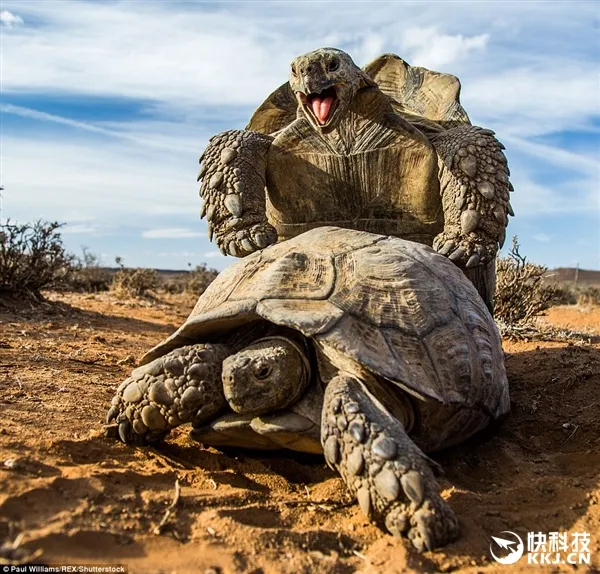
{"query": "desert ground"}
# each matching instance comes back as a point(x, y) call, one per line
point(72, 495)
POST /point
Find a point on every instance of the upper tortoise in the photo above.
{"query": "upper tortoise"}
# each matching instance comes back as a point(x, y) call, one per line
point(388, 149)
point(368, 348)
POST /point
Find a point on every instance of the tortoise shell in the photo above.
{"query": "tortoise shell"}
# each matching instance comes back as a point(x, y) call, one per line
point(394, 308)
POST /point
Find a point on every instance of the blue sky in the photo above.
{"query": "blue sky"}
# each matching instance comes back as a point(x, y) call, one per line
point(106, 107)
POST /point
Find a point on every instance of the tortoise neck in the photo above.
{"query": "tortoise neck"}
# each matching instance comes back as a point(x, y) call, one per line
point(366, 112)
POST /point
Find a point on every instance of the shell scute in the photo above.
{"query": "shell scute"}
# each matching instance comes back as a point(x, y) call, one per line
point(390, 289)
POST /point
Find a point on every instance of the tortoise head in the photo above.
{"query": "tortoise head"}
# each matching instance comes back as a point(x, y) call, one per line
point(325, 82)
point(268, 375)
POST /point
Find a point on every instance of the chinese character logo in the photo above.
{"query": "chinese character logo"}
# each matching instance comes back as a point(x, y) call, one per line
point(512, 544)
point(558, 548)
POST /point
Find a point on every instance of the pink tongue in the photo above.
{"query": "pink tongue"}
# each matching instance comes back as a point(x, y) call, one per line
point(321, 108)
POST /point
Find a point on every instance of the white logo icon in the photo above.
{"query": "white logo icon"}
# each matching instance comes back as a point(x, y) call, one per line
point(514, 547)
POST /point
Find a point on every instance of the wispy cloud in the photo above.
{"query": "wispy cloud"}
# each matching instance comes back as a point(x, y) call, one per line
point(70, 178)
point(176, 233)
point(172, 254)
point(556, 155)
point(536, 101)
point(130, 62)
point(9, 19)
point(534, 200)
point(94, 128)
point(550, 179)
point(77, 228)
point(542, 237)
point(433, 49)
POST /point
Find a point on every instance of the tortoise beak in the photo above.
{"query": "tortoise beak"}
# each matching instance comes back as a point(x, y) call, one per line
point(320, 105)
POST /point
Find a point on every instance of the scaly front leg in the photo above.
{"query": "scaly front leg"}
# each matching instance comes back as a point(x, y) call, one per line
point(233, 188)
point(382, 466)
point(475, 195)
point(183, 386)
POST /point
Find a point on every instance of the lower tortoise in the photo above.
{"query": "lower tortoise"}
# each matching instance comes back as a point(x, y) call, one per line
point(370, 349)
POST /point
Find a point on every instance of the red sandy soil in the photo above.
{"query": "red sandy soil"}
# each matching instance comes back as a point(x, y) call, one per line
point(80, 497)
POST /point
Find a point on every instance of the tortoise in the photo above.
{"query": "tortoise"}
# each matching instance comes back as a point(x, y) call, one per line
point(370, 349)
point(388, 149)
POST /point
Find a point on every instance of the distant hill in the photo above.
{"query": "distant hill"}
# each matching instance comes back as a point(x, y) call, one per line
point(571, 275)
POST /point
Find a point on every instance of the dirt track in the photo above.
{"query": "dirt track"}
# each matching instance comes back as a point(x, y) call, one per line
point(80, 497)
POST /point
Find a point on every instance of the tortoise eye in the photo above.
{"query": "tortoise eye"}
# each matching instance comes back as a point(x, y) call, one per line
point(263, 372)
point(333, 65)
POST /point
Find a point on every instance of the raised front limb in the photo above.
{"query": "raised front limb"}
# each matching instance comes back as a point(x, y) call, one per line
point(233, 189)
point(382, 466)
point(475, 195)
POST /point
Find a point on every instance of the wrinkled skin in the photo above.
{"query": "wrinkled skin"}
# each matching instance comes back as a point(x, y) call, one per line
point(267, 375)
point(325, 82)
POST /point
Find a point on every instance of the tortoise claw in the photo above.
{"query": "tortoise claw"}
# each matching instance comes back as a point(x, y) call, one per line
point(125, 431)
point(112, 414)
point(457, 255)
point(447, 247)
point(261, 239)
point(473, 261)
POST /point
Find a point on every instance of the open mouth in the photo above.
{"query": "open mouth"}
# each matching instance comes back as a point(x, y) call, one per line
point(321, 105)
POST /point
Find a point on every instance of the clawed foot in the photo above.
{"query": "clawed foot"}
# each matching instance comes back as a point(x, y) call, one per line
point(248, 240)
point(233, 176)
point(382, 467)
point(466, 250)
point(183, 386)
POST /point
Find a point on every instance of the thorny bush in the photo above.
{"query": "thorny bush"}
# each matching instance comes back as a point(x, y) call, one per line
point(32, 258)
point(88, 276)
point(194, 281)
point(521, 294)
point(133, 282)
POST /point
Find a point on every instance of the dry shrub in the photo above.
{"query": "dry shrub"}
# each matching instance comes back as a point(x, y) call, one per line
point(133, 282)
point(194, 282)
point(88, 276)
point(521, 294)
point(32, 258)
point(199, 279)
point(566, 294)
point(588, 295)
